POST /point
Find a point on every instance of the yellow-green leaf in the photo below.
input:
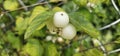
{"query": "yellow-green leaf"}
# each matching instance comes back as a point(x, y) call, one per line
point(38, 22)
point(108, 36)
point(56, 9)
point(33, 48)
point(13, 40)
point(78, 54)
point(94, 52)
point(21, 24)
point(10, 5)
point(37, 10)
point(51, 50)
point(81, 2)
point(84, 25)
point(85, 12)
point(51, 26)
point(54, 1)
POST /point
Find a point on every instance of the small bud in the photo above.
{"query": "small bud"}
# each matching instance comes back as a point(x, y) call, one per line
point(60, 39)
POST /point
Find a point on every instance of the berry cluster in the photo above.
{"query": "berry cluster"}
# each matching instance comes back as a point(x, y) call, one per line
point(61, 22)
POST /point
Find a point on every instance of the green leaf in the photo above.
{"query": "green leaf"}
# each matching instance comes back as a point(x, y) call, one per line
point(37, 10)
point(87, 42)
point(10, 5)
point(81, 2)
point(78, 54)
point(33, 48)
point(56, 9)
point(15, 41)
point(54, 1)
point(40, 33)
point(84, 25)
point(119, 2)
point(95, 1)
point(85, 12)
point(93, 52)
point(70, 7)
point(4, 53)
point(38, 22)
point(21, 24)
point(117, 40)
point(108, 36)
point(1, 1)
point(50, 25)
point(69, 52)
point(51, 50)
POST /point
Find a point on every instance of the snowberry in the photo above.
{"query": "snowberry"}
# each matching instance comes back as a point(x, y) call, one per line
point(60, 39)
point(61, 19)
point(68, 32)
point(48, 38)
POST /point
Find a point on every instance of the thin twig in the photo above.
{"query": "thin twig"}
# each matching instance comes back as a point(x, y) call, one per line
point(102, 47)
point(26, 6)
point(10, 16)
point(37, 4)
point(7, 12)
point(39, 1)
point(113, 23)
point(114, 51)
point(96, 46)
point(23, 5)
point(115, 6)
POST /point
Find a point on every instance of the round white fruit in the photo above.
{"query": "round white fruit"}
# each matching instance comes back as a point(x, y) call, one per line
point(48, 38)
point(61, 19)
point(60, 39)
point(68, 32)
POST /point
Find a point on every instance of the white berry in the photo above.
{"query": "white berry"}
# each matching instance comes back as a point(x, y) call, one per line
point(61, 19)
point(60, 39)
point(48, 38)
point(68, 32)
